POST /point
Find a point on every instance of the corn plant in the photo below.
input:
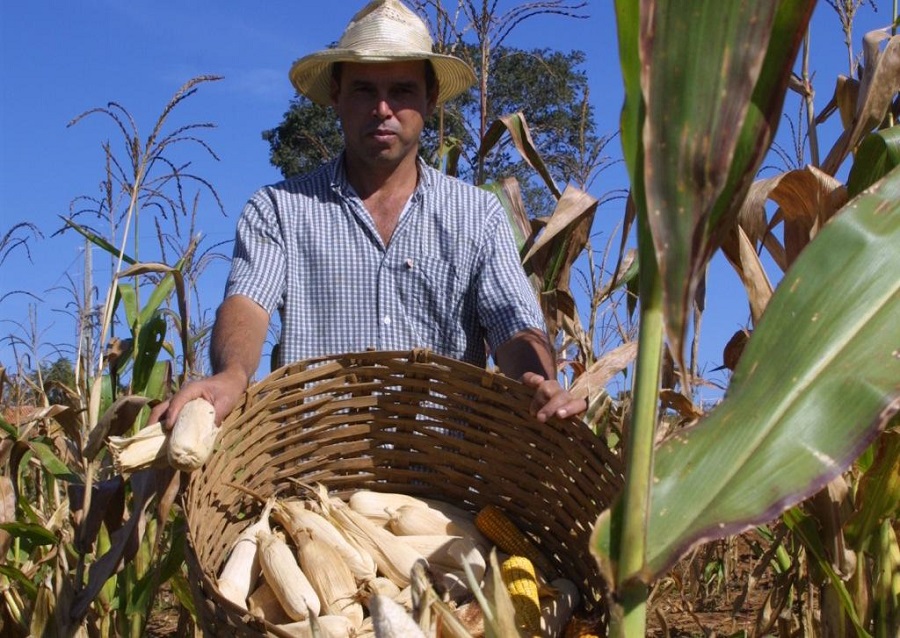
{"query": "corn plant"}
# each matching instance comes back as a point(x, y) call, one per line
point(816, 382)
point(89, 549)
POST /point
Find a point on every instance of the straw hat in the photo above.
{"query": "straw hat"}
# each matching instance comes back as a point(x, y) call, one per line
point(383, 31)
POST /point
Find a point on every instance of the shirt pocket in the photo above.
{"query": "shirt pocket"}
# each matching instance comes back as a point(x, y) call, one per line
point(433, 297)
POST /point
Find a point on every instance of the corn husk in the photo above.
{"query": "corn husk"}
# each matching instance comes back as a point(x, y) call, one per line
point(410, 520)
point(379, 506)
point(449, 552)
point(241, 570)
point(282, 571)
point(141, 451)
point(393, 558)
point(392, 619)
point(193, 437)
point(380, 585)
point(264, 604)
point(296, 518)
point(319, 627)
point(330, 577)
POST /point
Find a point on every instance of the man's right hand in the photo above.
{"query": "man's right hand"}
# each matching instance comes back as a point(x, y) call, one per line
point(222, 390)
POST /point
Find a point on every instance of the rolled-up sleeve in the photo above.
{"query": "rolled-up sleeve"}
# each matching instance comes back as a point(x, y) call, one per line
point(507, 301)
point(258, 261)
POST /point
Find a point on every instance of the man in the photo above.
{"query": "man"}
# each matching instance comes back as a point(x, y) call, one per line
point(376, 249)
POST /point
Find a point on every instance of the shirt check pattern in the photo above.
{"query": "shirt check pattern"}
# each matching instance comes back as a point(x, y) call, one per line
point(449, 280)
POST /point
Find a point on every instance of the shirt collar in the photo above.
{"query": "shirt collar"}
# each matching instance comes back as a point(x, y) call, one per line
point(341, 186)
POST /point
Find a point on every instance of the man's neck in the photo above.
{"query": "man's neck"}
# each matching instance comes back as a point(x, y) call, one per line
point(370, 180)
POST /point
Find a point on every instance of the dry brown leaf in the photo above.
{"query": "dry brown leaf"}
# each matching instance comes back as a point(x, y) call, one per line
point(604, 369)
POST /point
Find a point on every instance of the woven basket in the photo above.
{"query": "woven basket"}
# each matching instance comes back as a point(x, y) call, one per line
point(410, 422)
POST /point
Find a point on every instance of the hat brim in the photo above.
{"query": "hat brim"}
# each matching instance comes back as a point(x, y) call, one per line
point(311, 75)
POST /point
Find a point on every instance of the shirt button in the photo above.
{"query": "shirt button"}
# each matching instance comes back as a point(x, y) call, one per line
point(386, 320)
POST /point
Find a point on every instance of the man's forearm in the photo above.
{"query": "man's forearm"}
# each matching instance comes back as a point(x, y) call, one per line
point(238, 337)
point(526, 351)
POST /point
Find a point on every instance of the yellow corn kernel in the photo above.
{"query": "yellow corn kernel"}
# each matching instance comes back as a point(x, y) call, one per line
point(500, 530)
point(517, 574)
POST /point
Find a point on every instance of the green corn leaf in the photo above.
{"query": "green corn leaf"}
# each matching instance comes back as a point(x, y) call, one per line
point(147, 348)
point(52, 463)
point(876, 156)
point(97, 240)
point(816, 382)
point(713, 78)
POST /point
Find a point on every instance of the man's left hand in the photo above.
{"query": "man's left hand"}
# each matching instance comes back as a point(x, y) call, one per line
point(550, 398)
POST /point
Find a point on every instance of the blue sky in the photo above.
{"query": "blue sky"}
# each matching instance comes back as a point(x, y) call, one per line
point(60, 58)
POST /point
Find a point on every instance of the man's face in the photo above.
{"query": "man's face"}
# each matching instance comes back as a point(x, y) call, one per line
point(382, 108)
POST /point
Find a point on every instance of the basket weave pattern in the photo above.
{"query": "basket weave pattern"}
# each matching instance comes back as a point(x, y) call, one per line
point(411, 422)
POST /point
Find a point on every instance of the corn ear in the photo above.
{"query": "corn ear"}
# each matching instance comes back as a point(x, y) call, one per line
point(193, 437)
point(449, 552)
point(262, 603)
point(378, 506)
point(394, 559)
point(241, 570)
point(283, 573)
point(517, 573)
point(330, 577)
point(295, 517)
point(186, 447)
point(143, 450)
point(498, 528)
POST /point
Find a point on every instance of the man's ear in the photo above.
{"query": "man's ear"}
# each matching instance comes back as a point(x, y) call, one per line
point(432, 102)
point(334, 91)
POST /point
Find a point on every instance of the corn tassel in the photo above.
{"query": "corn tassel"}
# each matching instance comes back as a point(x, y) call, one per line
point(517, 573)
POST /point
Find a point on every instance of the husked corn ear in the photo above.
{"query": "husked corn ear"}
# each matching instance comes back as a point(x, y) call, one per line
point(393, 558)
point(283, 573)
point(557, 610)
point(494, 524)
point(517, 573)
point(295, 517)
point(378, 506)
point(264, 604)
point(392, 619)
point(193, 437)
point(330, 577)
point(241, 570)
point(319, 627)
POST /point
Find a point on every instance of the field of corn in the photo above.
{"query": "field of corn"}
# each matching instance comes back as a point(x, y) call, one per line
point(772, 513)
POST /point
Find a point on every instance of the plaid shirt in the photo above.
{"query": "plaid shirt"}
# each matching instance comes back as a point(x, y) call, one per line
point(449, 280)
